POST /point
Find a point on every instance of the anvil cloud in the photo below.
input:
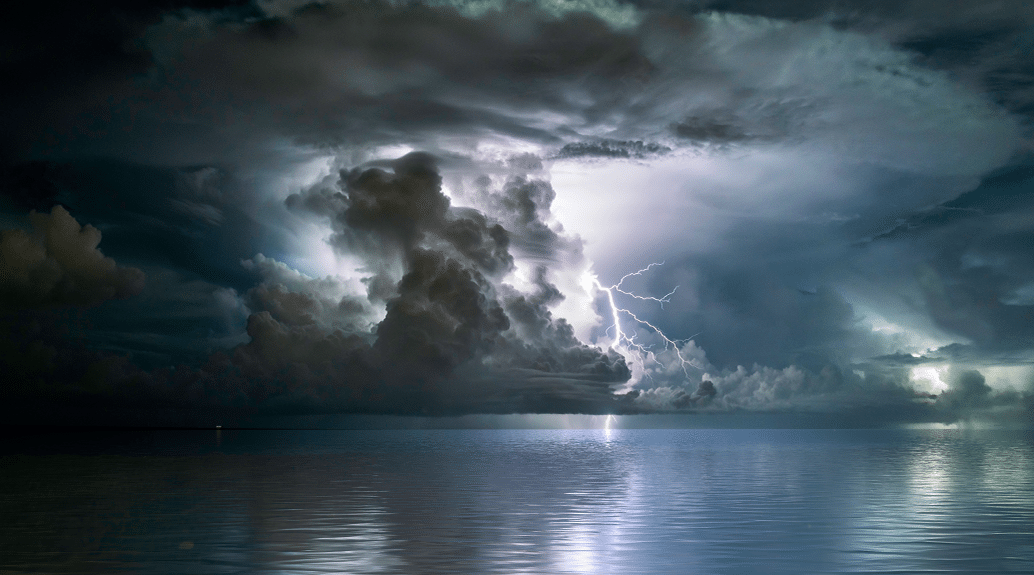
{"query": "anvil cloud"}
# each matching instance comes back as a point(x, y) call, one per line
point(243, 209)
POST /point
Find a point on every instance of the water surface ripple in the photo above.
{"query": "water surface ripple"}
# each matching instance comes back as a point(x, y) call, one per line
point(518, 501)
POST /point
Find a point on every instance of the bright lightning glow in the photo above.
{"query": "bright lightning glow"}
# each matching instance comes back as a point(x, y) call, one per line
point(929, 378)
point(624, 343)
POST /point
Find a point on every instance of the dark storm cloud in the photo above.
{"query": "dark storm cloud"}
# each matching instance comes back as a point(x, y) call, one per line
point(356, 75)
point(965, 397)
point(451, 339)
point(750, 312)
point(191, 219)
point(905, 359)
point(612, 149)
point(26, 186)
point(706, 129)
point(366, 73)
point(440, 319)
point(71, 353)
point(288, 307)
point(756, 306)
point(746, 121)
point(967, 389)
point(176, 319)
point(548, 344)
point(342, 73)
point(58, 264)
point(523, 204)
point(985, 44)
point(58, 55)
point(862, 135)
point(185, 227)
point(397, 208)
point(771, 311)
point(975, 263)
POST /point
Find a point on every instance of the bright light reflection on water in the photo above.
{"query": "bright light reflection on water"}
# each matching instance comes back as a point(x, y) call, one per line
point(594, 501)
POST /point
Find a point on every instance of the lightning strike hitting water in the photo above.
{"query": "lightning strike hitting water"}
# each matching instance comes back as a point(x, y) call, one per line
point(626, 342)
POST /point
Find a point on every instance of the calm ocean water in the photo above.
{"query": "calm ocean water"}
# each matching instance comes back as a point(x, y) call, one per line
point(518, 501)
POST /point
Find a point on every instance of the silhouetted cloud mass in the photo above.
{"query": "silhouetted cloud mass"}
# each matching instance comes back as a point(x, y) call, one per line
point(58, 264)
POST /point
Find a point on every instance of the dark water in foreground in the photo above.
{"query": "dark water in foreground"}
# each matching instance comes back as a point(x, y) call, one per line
point(527, 501)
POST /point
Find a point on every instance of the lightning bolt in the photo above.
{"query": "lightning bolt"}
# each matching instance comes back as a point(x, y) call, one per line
point(625, 342)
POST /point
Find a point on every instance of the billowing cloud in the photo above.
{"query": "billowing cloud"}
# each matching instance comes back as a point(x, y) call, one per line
point(293, 298)
point(414, 207)
point(59, 264)
point(449, 318)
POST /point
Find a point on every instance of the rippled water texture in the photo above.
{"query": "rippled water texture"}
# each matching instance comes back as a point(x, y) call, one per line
point(527, 501)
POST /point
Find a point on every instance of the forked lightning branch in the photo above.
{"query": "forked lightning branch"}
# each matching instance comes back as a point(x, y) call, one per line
point(624, 341)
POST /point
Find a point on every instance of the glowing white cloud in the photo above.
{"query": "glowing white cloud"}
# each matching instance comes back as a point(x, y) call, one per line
point(928, 378)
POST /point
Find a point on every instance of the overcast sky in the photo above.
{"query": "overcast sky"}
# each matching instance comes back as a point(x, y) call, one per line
point(239, 210)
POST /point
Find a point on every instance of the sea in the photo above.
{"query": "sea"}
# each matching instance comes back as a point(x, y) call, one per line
point(536, 501)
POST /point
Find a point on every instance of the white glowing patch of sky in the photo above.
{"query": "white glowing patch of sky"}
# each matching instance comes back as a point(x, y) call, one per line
point(313, 255)
point(1009, 377)
point(929, 378)
point(577, 305)
point(575, 282)
point(310, 253)
point(623, 208)
point(682, 204)
point(901, 338)
point(521, 277)
point(391, 151)
point(498, 149)
point(634, 213)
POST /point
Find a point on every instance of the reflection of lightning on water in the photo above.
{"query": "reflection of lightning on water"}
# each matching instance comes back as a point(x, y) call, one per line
point(626, 342)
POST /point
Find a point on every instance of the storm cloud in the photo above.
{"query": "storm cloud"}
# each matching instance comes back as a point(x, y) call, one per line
point(58, 264)
point(445, 341)
point(418, 207)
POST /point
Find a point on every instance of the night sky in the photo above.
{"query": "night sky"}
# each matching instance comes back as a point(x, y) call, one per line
point(229, 212)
